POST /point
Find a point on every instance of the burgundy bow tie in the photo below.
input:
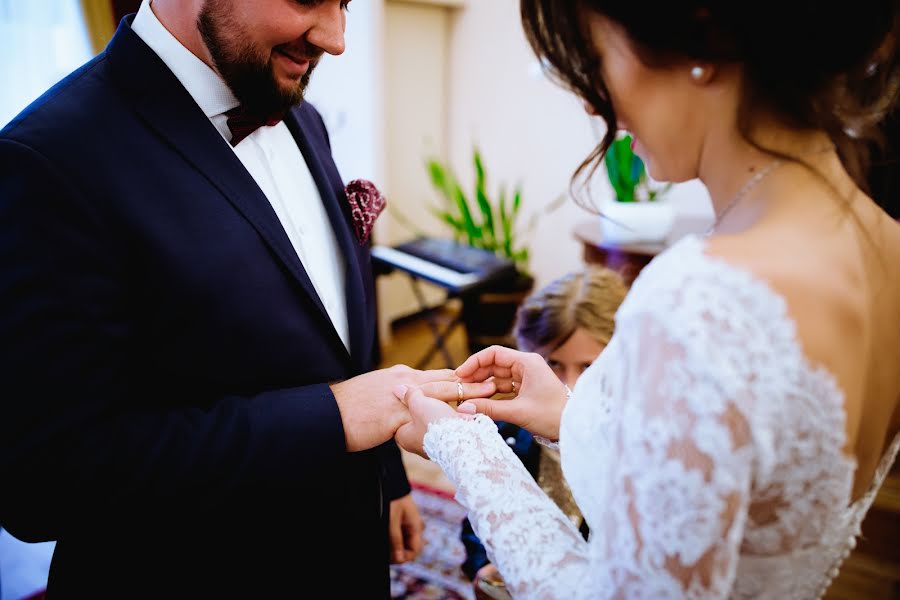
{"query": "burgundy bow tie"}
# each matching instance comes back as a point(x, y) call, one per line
point(242, 123)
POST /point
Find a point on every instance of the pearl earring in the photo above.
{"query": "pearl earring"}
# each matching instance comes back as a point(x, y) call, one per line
point(698, 72)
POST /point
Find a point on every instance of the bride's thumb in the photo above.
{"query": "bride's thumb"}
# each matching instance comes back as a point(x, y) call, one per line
point(497, 410)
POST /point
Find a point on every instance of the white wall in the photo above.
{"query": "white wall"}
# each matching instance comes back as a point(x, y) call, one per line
point(416, 97)
point(349, 92)
point(528, 129)
point(383, 102)
point(40, 43)
point(419, 78)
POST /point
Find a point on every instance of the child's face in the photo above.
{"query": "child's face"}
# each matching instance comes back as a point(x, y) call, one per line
point(571, 359)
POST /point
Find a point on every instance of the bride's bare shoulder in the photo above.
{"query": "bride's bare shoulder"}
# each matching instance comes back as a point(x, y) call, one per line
point(821, 282)
point(799, 267)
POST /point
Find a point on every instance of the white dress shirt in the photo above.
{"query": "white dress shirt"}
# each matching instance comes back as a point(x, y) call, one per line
point(274, 161)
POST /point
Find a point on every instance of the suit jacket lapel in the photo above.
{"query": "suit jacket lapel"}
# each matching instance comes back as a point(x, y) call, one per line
point(300, 123)
point(169, 109)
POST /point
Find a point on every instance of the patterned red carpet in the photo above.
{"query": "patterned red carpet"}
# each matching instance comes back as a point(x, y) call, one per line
point(435, 575)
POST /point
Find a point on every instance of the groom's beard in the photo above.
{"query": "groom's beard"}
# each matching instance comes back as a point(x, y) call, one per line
point(248, 70)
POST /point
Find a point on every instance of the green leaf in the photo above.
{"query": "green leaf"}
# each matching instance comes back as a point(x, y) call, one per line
point(510, 241)
point(473, 232)
point(487, 215)
point(659, 193)
point(626, 157)
point(626, 170)
point(612, 161)
point(457, 225)
point(520, 256)
point(505, 224)
point(637, 168)
point(440, 180)
point(479, 221)
point(487, 212)
point(479, 169)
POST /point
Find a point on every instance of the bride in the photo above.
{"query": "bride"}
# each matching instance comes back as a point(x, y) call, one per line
point(729, 441)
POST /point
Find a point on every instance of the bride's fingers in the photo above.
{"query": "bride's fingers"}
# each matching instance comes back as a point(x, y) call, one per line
point(484, 373)
point(507, 385)
point(495, 356)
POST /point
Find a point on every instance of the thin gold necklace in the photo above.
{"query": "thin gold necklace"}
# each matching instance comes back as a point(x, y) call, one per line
point(741, 193)
point(752, 182)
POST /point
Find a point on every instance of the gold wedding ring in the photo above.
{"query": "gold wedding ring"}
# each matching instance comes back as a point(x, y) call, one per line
point(513, 384)
point(459, 391)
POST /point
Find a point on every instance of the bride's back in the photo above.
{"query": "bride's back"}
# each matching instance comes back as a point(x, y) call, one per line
point(788, 318)
point(879, 406)
point(838, 273)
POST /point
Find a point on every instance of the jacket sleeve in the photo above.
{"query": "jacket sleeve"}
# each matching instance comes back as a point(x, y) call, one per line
point(393, 473)
point(78, 434)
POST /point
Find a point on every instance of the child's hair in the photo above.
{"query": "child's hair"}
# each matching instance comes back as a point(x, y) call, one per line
point(585, 299)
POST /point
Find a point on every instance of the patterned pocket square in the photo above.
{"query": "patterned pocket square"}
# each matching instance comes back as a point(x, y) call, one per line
point(366, 203)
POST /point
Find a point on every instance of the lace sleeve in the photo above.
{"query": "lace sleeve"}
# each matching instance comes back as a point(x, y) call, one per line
point(525, 534)
point(658, 452)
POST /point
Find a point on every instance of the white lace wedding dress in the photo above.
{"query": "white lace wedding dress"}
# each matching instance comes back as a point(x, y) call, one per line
point(703, 449)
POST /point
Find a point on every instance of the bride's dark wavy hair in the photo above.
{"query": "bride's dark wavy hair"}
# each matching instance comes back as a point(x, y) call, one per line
point(813, 67)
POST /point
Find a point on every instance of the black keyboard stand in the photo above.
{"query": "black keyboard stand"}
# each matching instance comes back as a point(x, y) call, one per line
point(440, 337)
point(464, 286)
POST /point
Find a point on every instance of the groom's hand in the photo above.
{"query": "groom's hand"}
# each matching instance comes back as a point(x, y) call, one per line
point(370, 411)
point(406, 529)
point(431, 402)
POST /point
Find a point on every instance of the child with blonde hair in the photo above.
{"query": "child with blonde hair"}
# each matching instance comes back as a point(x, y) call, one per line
point(569, 322)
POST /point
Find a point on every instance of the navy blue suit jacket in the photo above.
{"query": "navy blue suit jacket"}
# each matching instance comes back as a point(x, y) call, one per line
point(164, 358)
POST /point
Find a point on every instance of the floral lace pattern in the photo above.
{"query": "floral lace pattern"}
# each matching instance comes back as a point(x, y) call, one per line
point(703, 449)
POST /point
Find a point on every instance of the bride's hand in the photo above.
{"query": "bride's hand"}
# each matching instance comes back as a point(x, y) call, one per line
point(538, 394)
point(428, 403)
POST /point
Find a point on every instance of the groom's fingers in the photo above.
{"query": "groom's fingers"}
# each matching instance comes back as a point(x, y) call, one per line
point(396, 534)
point(413, 539)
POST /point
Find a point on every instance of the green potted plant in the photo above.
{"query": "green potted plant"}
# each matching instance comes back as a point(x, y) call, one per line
point(491, 222)
point(638, 213)
point(479, 220)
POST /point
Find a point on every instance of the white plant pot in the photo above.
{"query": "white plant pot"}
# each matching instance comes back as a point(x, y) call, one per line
point(637, 222)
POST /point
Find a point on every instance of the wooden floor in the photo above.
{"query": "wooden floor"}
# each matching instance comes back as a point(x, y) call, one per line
point(872, 572)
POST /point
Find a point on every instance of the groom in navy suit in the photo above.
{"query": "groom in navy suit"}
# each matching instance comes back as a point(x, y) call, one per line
point(187, 322)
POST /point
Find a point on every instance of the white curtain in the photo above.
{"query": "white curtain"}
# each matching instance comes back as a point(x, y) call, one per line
point(41, 41)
